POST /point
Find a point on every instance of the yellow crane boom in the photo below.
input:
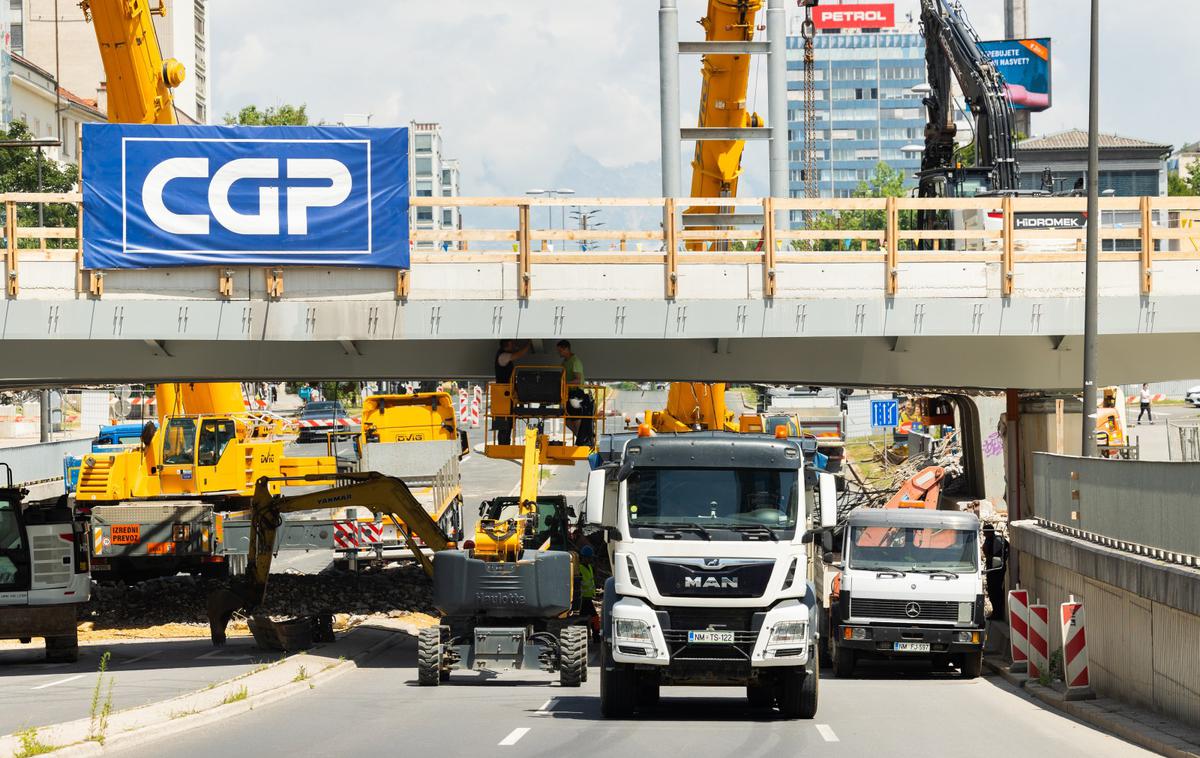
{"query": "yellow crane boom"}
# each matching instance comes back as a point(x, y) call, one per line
point(726, 77)
point(139, 79)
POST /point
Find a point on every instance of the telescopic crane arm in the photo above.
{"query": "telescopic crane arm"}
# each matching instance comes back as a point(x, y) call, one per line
point(952, 49)
point(139, 80)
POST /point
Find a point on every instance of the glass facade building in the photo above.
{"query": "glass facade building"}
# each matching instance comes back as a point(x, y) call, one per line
point(867, 111)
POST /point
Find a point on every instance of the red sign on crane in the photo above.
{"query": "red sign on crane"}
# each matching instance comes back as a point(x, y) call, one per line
point(874, 16)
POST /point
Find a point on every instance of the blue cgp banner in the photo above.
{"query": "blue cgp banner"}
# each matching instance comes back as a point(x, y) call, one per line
point(241, 195)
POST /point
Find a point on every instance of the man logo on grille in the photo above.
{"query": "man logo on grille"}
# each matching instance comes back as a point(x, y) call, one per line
point(912, 610)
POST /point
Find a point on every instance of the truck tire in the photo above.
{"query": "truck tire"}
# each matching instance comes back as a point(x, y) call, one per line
point(843, 662)
point(572, 656)
point(429, 657)
point(798, 699)
point(617, 687)
point(760, 696)
point(972, 664)
point(63, 649)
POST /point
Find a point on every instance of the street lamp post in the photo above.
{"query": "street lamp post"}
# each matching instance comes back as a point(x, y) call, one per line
point(1090, 299)
point(552, 193)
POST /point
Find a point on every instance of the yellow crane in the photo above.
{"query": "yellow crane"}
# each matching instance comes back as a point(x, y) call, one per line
point(139, 79)
point(693, 406)
point(725, 83)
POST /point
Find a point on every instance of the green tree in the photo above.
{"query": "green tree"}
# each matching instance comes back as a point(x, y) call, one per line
point(272, 115)
point(19, 173)
point(884, 181)
point(1177, 185)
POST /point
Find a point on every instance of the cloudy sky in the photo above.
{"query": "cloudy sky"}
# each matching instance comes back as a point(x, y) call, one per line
point(534, 93)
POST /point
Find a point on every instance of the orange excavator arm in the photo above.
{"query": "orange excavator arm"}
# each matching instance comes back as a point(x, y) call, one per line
point(139, 80)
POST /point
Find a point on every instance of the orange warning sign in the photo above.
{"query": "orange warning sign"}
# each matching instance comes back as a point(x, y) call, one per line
point(125, 534)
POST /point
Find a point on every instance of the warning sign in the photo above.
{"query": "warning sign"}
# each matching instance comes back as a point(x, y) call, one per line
point(160, 548)
point(125, 534)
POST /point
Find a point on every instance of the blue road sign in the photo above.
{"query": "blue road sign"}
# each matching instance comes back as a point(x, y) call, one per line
point(885, 413)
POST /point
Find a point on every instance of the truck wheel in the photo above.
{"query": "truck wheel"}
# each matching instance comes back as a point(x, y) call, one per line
point(972, 664)
point(843, 662)
point(572, 663)
point(616, 687)
point(800, 689)
point(63, 649)
point(760, 696)
point(429, 657)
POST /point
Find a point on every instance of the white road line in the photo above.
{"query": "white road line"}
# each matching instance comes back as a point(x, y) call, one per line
point(546, 708)
point(514, 736)
point(826, 732)
point(139, 658)
point(60, 681)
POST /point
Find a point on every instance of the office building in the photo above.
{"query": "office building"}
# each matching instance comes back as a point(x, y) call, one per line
point(866, 108)
point(182, 34)
point(430, 174)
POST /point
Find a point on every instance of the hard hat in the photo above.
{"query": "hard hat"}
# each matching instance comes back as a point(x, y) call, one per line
point(586, 551)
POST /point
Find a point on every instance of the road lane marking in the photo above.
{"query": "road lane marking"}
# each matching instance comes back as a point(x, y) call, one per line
point(513, 737)
point(60, 681)
point(546, 708)
point(826, 732)
point(139, 658)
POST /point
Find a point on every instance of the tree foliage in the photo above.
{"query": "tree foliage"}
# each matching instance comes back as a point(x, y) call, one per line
point(1188, 184)
point(884, 181)
point(272, 115)
point(19, 173)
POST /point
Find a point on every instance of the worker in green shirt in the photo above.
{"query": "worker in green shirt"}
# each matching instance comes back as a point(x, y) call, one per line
point(587, 589)
point(571, 363)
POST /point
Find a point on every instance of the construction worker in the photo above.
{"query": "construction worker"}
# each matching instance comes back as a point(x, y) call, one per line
point(1145, 398)
point(571, 364)
point(587, 587)
point(510, 351)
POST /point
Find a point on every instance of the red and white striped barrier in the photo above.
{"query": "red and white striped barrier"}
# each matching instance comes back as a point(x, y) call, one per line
point(1075, 660)
point(370, 532)
point(345, 535)
point(1157, 397)
point(1039, 640)
point(476, 405)
point(1018, 629)
point(326, 422)
point(464, 406)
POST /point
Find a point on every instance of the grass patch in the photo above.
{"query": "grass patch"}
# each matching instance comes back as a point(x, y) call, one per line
point(301, 675)
point(31, 744)
point(234, 697)
point(182, 714)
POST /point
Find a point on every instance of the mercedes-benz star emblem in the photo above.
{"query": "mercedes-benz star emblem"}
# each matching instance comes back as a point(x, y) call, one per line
point(912, 610)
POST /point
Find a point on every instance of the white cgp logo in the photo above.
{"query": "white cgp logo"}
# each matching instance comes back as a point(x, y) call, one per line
point(266, 220)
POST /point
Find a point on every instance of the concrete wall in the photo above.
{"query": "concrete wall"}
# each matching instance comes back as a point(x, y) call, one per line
point(1142, 647)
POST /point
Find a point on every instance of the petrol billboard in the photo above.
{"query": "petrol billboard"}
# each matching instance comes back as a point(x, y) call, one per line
point(230, 195)
point(1025, 66)
point(858, 16)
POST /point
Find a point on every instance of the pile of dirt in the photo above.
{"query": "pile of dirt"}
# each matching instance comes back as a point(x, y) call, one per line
point(398, 589)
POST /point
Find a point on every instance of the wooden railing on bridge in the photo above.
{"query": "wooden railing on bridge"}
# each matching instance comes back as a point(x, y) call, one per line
point(876, 230)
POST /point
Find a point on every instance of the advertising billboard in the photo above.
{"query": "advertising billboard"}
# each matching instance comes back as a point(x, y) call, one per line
point(233, 195)
point(1025, 66)
point(873, 16)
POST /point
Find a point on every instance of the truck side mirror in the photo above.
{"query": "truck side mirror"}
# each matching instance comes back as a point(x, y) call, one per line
point(594, 506)
point(827, 491)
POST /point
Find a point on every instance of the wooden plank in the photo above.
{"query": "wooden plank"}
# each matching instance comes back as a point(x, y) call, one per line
point(1188, 255)
point(948, 203)
point(720, 234)
point(78, 231)
point(830, 203)
point(11, 262)
point(1175, 203)
point(657, 259)
point(951, 234)
point(403, 283)
point(452, 256)
point(671, 248)
point(46, 232)
point(768, 235)
point(462, 235)
point(594, 234)
point(225, 282)
point(47, 255)
point(523, 251)
point(1177, 234)
point(893, 246)
point(1147, 252)
point(41, 197)
point(1072, 257)
point(1006, 258)
point(692, 258)
point(274, 282)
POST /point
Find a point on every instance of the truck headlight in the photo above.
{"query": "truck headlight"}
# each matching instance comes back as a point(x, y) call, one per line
point(789, 633)
point(632, 630)
point(967, 637)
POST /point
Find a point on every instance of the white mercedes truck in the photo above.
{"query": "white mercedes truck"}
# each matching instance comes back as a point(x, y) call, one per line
point(911, 586)
point(708, 534)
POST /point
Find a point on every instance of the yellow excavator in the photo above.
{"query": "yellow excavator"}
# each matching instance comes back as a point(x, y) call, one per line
point(692, 407)
point(375, 492)
point(717, 164)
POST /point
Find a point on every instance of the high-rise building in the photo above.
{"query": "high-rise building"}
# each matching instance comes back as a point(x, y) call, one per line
point(66, 45)
point(430, 174)
point(868, 102)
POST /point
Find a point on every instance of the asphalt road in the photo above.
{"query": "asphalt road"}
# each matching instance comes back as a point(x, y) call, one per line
point(906, 712)
point(35, 693)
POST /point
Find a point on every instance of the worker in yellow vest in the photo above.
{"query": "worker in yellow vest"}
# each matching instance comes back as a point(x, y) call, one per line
point(587, 589)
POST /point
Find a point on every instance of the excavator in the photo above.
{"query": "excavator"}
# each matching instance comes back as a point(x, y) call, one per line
point(717, 164)
point(375, 492)
point(693, 406)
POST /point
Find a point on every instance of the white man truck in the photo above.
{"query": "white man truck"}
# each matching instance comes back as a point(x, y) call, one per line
point(43, 571)
point(708, 534)
point(910, 586)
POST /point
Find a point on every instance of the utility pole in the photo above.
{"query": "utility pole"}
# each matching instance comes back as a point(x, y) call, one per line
point(668, 92)
point(1091, 269)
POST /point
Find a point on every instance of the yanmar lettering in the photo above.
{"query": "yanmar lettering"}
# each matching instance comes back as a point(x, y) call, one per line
point(494, 599)
point(878, 16)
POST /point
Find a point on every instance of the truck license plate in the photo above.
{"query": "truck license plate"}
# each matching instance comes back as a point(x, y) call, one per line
point(721, 638)
point(911, 647)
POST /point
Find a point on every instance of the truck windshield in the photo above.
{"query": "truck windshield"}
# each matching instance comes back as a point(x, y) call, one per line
point(11, 544)
point(892, 548)
point(179, 443)
point(717, 500)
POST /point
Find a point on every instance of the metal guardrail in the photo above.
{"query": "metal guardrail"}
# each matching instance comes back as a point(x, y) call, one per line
point(1183, 439)
point(863, 230)
point(1147, 508)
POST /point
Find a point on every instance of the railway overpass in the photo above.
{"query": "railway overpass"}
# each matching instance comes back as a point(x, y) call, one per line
point(886, 307)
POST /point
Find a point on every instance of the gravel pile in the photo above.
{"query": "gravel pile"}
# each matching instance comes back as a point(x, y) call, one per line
point(181, 599)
